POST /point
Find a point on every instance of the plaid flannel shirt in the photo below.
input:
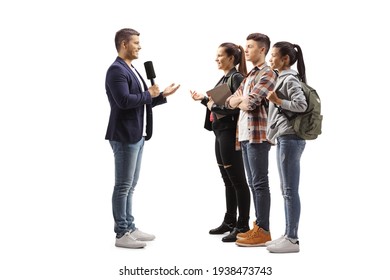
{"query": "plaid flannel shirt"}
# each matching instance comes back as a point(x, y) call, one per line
point(262, 80)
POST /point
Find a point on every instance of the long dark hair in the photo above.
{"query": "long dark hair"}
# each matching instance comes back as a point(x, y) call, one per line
point(239, 56)
point(294, 52)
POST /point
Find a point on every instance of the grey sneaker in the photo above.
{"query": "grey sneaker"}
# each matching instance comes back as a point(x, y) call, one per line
point(142, 236)
point(274, 241)
point(127, 241)
point(284, 246)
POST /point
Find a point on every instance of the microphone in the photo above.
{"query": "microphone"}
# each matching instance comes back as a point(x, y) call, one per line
point(150, 71)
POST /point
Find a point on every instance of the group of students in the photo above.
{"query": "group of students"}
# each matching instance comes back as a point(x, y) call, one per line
point(246, 127)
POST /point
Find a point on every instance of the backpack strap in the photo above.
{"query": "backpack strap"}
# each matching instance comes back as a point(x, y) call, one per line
point(280, 109)
point(230, 81)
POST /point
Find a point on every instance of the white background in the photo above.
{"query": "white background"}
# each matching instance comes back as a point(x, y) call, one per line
point(57, 170)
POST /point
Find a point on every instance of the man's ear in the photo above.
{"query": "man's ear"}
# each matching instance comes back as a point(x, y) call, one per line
point(262, 50)
point(123, 44)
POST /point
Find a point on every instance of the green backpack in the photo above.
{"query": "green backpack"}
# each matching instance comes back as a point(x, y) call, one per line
point(308, 124)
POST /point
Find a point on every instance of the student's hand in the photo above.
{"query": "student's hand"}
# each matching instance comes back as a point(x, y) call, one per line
point(196, 96)
point(154, 91)
point(171, 89)
point(274, 98)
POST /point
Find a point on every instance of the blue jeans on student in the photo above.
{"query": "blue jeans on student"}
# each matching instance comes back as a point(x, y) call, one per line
point(127, 168)
point(255, 156)
point(289, 151)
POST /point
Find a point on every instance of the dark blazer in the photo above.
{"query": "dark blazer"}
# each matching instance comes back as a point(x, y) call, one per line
point(127, 102)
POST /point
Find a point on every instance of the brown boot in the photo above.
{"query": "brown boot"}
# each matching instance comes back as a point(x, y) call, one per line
point(257, 237)
point(247, 233)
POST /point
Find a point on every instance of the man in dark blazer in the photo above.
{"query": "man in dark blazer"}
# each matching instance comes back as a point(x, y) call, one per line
point(130, 124)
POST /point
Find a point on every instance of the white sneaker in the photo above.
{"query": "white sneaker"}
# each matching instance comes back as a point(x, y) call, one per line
point(142, 236)
point(285, 245)
point(274, 241)
point(127, 241)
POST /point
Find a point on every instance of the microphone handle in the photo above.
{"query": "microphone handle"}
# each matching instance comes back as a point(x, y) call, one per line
point(152, 81)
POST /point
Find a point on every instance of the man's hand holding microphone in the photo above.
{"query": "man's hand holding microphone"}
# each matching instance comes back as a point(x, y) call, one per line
point(154, 90)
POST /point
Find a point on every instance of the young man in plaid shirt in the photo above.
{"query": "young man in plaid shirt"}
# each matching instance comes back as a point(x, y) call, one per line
point(250, 97)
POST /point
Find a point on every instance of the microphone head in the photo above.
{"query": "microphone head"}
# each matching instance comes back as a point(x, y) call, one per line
point(149, 70)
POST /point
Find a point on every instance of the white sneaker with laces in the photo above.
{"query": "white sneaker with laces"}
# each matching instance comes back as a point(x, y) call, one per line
point(274, 241)
point(142, 236)
point(286, 245)
point(127, 241)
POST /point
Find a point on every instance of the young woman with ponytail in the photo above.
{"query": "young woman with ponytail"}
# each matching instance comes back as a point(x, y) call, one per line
point(223, 122)
point(289, 97)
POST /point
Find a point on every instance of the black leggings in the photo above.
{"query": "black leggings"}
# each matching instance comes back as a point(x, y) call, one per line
point(233, 174)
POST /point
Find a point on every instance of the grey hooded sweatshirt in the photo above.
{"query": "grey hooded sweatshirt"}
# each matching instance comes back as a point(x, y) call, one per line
point(288, 88)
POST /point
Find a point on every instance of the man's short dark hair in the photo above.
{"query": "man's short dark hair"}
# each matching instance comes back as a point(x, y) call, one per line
point(124, 35)
point(261, 39)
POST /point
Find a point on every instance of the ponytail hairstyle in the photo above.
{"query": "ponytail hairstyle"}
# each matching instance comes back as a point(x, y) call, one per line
point(294, 52)
point(239, 56)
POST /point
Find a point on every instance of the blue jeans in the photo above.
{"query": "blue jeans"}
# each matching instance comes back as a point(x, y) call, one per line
point(255, 156)
point(127, 168)
point(288, 153)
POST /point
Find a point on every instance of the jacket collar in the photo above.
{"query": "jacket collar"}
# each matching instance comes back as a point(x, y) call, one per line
point(226, 77)
point(121, 61)
point(257, 68)
point(231, 72)
point(288, 72)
